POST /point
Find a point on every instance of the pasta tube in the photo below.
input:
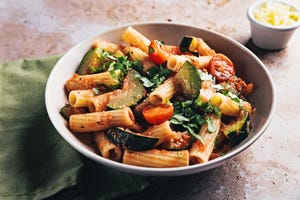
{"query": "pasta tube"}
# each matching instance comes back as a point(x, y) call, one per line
point(137, 54)
point(99, 103)
point(162, 131)
point(199, 62)
point(163, 93)
point(107, 46)
point(226, 104)
point(198, 45)
point(136, 39)
point(175, 62)
point(156, 158)
point(106, 147)
point(80, 98)
point(84, 82)
point(201, 152)
point(98, 121)
point(206, 91)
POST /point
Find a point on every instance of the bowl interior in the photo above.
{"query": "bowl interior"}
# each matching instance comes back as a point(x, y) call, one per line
point(248, 66)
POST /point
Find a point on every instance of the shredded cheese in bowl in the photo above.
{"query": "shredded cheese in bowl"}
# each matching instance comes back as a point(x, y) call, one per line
point(276, 14)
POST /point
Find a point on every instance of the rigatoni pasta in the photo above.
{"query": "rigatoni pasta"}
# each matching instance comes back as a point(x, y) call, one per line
point(99, 103)
point(106, 147)
point(200, 62)
point(200, 152)
point(135, 38)
point(107, 46)
point(198, 45)
point(174, 62)
point(152, 104)
point(157, 158)
point(80, 98)
point(162, 131)
point(163, 93)
point(98, 121)
point(226, 104)
point(84, 82)
point(136, 53)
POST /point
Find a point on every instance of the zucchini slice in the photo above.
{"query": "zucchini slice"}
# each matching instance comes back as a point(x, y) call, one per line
point(189, 80)
point(67, 110)
point(185, 43)
point(132, 91)
point(90, 60)
point(130, 140)
point(239, 129)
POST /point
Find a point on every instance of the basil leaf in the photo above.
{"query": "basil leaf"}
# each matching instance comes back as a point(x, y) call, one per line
point(187, 118)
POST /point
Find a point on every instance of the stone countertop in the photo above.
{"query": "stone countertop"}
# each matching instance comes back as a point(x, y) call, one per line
point(269, 169)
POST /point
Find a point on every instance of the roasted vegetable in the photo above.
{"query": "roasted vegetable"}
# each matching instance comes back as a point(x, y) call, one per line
point(196, 46)
point(184, 141)
point(130, 140)
point(221, 67)
point(185, 43)
point(188, 80)
point(132, 91)
point(187, 118)
point(67, 110)
point(90, 60)
point(158, 114)
point(156, 52)
point(238, 130)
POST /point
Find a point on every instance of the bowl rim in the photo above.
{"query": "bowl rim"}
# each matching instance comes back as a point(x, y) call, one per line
point(267, 26)
point(150, 171)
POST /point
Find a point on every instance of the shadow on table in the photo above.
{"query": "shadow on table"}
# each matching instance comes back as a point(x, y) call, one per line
point(258, 51)
point(203, 185)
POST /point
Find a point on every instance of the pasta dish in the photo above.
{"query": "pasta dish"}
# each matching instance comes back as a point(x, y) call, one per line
point(151, 104)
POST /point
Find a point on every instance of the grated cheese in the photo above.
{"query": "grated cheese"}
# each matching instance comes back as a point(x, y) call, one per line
point(276, 14)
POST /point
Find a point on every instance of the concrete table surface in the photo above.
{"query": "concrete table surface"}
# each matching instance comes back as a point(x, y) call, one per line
point(269, 169)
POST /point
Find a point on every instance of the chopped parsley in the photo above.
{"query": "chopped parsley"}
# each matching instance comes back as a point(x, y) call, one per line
point(191, 115)
point(154, 77)
point(186, 118)
point(109, 62)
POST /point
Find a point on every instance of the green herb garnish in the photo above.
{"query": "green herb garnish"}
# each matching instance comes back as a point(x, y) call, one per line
point(111, 63)
point(210, 126)
point(154, 77)
point(187, 118)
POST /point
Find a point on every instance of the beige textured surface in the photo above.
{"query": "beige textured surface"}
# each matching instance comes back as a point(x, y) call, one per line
point(269, 169)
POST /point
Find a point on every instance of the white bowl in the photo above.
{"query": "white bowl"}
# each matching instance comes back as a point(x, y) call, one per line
point(267, 36)
point(248, 66)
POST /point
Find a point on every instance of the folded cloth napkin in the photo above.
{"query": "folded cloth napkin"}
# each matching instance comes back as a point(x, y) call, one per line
point(35, 162)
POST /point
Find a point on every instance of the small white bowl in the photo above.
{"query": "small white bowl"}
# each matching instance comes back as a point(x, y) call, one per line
point(268, 36)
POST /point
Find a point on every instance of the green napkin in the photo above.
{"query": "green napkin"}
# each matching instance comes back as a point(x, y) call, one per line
point(35, 161)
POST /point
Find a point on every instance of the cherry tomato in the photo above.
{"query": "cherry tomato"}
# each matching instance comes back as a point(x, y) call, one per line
point(158, 114)
point(156, 52)
point(221, 67)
